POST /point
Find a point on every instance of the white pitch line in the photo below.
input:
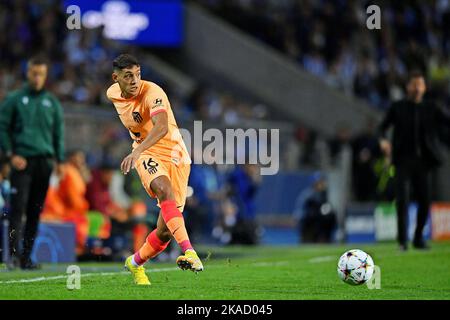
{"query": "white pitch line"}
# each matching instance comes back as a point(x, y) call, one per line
point(39, 279)
point(82, 275)
point(33, 279)
point(270, 264)
point(321, 259)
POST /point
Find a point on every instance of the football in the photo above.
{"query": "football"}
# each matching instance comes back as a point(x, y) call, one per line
point(355, 267)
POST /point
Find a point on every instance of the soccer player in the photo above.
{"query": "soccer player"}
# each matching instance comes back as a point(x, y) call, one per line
point(161, 159)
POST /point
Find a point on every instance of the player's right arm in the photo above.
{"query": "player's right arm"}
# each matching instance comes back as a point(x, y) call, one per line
point(159, 130)
point(387, 122)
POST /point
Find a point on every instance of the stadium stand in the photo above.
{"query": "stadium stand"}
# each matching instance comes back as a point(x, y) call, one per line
point(355, 60)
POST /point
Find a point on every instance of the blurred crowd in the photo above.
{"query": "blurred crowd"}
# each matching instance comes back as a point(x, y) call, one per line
point(80, 59)
point(371, 170)
point(330, 40)
point(81, 63)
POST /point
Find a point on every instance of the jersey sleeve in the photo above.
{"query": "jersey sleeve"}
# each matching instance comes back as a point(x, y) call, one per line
point(157, 102)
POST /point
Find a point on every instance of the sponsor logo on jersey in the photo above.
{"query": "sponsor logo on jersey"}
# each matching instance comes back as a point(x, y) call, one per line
point(157, 103)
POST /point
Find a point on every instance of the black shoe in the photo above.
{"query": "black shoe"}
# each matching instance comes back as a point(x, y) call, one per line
point(29, 265)
point(403, 247)
point(420, 244)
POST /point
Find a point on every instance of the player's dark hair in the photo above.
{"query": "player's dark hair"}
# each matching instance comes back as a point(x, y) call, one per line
point(37, 60)
point(413, 74)
point(125, 61)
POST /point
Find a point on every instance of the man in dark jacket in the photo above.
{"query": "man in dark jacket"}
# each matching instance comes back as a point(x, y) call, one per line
point(32, 136)
point(415, 153)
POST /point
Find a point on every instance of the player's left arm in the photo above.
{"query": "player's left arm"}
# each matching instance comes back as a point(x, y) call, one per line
point(159, 130)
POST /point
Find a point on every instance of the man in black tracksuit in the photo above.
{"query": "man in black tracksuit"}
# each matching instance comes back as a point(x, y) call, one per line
point(32, 136)
point(415, 153)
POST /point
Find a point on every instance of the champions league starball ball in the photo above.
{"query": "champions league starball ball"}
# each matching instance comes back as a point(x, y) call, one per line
point(355, 267)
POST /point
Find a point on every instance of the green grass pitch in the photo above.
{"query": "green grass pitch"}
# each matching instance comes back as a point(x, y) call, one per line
point(306, 272)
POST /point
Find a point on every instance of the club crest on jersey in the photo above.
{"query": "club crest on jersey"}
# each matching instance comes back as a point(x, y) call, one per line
point(46, 103)
point(150, 166)
point(137, 117)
